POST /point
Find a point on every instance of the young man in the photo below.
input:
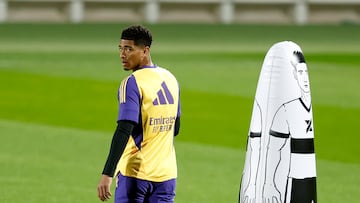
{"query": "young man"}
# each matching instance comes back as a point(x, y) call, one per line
point(142, 154)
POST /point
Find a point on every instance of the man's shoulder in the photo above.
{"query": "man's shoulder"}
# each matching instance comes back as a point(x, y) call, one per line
point(157, 69)
point(127, 78)
point(166, 71)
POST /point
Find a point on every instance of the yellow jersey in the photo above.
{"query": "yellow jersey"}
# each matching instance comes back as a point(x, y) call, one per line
point(150, 98)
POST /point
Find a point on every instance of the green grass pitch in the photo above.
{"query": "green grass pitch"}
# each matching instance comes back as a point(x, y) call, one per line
point(58, 85)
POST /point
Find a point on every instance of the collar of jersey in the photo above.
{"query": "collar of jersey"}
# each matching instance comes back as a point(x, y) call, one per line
point(154, 66)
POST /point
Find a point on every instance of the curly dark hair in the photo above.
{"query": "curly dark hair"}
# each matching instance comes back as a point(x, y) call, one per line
point(140, 34)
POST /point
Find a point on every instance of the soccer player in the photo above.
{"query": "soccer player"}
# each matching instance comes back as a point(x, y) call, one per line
point(142, 154)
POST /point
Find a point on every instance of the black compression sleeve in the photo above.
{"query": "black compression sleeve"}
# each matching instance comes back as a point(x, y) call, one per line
point(177, 126)
point(118, 143)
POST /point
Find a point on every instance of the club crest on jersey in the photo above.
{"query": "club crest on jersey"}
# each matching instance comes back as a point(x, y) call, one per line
point(163, 96)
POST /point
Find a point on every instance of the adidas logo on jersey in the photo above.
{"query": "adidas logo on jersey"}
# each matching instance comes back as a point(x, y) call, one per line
point(163, 96)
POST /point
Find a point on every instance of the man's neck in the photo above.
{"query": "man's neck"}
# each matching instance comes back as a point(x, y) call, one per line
point(146, 65)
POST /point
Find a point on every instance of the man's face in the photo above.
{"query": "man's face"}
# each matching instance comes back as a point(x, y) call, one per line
point(302, 77)
point(131, 55)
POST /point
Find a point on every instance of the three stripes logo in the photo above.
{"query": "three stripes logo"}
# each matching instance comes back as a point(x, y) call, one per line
point(163, 96)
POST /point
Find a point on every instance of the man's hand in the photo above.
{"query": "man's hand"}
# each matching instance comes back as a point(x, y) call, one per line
point(104, 188)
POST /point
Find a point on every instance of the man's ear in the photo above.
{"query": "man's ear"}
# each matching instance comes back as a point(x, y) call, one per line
point(146, 50)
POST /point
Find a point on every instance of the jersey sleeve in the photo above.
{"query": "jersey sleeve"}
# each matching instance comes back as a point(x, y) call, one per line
point(256, 121)
point(129, 100)
point(279, 126)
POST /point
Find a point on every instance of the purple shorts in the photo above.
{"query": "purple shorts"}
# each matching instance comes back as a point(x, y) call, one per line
point(133, 190)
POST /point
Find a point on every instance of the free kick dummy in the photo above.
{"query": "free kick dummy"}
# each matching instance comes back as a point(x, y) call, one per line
point(280, 159)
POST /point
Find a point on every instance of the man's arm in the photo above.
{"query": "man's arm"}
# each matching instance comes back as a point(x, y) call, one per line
point(118, 144)
point(177, 126)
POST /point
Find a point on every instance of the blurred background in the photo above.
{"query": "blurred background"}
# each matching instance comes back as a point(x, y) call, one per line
point(60, 72)
point(189, 11)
